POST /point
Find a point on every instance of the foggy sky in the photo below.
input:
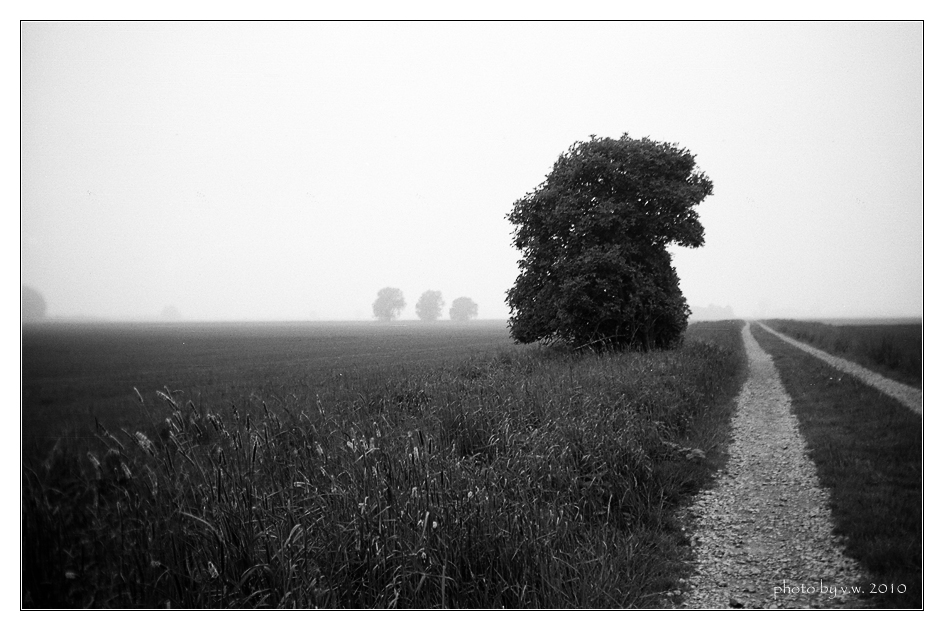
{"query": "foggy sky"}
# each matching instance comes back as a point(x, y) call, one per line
point(287, 171)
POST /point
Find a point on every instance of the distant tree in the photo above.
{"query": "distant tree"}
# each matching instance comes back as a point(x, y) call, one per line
point(170, 312)
point(430, 305)
point(33, 305)
point(463, 309)
point(389, 303)
point(595, 269)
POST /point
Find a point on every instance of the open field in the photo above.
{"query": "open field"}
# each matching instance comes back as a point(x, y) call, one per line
point(401, 466)
point(74, 373)
point(867, 450)
point(891, 349)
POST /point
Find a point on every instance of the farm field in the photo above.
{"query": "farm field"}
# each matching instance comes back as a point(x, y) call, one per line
point(892, 349)
point(303, 465)
point(75, 373)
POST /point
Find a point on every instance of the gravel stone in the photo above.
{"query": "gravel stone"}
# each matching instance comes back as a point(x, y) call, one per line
point(764, 536)
point(910, 397)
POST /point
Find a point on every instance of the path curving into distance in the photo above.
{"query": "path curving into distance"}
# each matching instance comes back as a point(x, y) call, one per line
point(907, 395)
point(763, 536)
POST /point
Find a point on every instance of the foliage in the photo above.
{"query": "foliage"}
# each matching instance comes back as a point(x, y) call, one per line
point(463, 309)
point(388, 304)
point(33, 304)
point(595, 269)
point(526, 478)
point(170, 313)
point(429, 306)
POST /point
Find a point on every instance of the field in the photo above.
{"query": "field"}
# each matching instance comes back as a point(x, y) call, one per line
point(75, 373)
point(314, 465)
point(890, 349)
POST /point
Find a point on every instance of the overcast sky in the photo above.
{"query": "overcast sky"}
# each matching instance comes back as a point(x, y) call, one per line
point(288, 171)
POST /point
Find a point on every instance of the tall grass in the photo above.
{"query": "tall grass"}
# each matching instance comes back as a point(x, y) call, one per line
point(894, 350)
point(530, 478)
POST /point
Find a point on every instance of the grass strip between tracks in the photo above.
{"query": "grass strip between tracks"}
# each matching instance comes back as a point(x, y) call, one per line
point(867, 448)
point(892, 350)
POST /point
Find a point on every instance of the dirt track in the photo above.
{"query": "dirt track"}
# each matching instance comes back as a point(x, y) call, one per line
point(910, 397)
point(763, 537)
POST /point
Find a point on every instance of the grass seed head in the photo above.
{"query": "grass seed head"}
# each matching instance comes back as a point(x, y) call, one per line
point(144, 442)
point(111, 463)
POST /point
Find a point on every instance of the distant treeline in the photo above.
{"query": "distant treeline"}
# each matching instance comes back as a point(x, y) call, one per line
point(390, 302)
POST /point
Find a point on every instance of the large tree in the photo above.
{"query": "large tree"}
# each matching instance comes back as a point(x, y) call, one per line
point(595, 269)
point(429, 306)
point(463, 309)
point(388, 304)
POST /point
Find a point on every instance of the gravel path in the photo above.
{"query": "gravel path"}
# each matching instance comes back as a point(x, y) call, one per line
point(763, 537)
point(909, 396)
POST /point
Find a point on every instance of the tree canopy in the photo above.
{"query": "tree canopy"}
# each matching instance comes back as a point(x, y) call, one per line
point(171, 313)
point(429, 306)
point(388, 304)
point(463, 309)
point(595, 269)
point(33, 305)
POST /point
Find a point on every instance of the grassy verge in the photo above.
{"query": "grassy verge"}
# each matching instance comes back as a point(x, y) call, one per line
point(892, 350)
point(528, 478)
point(724, 335)
point(867, 451)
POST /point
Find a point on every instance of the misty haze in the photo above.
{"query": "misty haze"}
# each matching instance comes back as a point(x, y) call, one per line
point(532, 315)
